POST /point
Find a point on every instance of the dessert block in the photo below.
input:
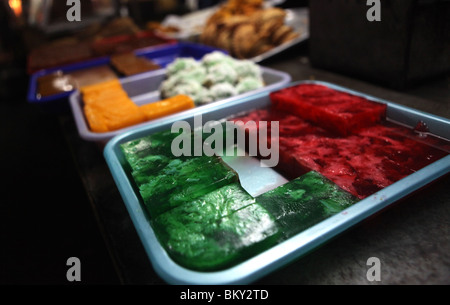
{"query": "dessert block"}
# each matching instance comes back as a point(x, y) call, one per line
point(183, 181)
point(304, 202)
point(167, 107)
point(336, 111)
point(217, 230)
point(166, 181)
point(107, 107)
point(156, 144)
point(130, 64)
point(362, 163)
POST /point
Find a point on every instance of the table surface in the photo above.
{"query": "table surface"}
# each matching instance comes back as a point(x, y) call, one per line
point(411, 239)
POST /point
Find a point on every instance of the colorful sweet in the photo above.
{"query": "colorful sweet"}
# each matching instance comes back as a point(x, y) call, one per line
point(362, 163)
point(108, 114)
point(182, 64)
point(304, 202)
point(166, 107)
point(216, 57)
point(184, 86)
point(107, 107)
point(221, 73)
point(248, 84)
point(216, 76)
point(166, 181)
point(335, 111)
point(222, 91)
point(157, 144)
point(206, 221)
point(246, 68)
point(216, 231)
point(182, 181)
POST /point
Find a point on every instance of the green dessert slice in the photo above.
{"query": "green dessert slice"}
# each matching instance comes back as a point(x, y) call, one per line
point(304, 202)
point(183, 181)
point(217, 230)
point(159, 143)
point(146, 167)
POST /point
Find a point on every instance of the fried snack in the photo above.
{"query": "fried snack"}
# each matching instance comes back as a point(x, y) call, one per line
point(236, 8)
point(244, 39)
point(280, 33)
point(224, 38)
point(289, 37)
point(245, 29)
point(262, 17)
point(266, 29)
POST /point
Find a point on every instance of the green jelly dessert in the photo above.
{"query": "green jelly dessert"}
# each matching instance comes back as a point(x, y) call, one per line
point(156, 144)
point(304, 202)
point(217, 230)
point(183, 181)
point(147, 166)
point(165, 181)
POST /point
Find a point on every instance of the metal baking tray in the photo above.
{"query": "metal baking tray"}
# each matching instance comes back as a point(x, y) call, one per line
point(144, 89)
point(295, 247)
point(161, 55)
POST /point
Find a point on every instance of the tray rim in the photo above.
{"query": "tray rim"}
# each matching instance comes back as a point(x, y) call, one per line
point(285, 252)
point(86, 134)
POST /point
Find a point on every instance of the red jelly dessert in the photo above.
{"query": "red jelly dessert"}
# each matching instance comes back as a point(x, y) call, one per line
point(362, 163)
point(336, 111)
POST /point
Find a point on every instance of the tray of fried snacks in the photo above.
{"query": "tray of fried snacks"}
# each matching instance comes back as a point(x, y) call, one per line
point(185, 27)
point(251, 30)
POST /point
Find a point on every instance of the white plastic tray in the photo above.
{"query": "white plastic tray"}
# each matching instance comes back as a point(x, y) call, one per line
point(144, 89)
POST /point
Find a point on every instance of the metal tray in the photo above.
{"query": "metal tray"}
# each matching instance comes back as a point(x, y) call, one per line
point(295, 247)
point(161, 55)
point(144, 89)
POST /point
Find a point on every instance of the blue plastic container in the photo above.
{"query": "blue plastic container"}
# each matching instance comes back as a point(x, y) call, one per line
point(161, 55)
point(293, 248)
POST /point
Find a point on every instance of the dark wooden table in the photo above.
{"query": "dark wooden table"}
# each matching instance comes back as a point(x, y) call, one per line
point(411, 239)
